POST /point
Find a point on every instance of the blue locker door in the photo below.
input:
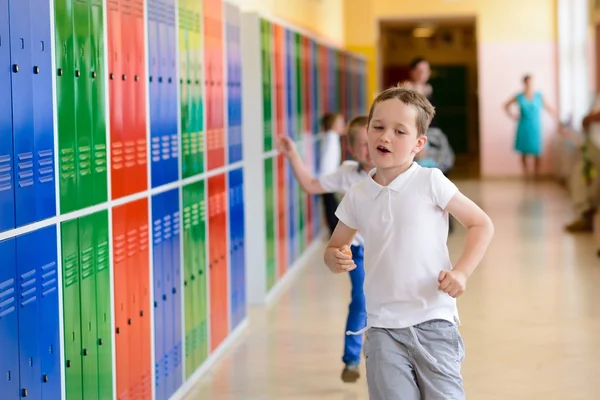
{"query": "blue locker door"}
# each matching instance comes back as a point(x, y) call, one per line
point(153, 60)
point(239, 202)
point(22, 111)
point(9, 322)
point(172, 277)
point(7, 191)
point(42, 111)
point(232, 248)
point(176, 292)
point(168, 285)
point(159, 309)
point(171, 98)
point(45, 240)
point(29, 263)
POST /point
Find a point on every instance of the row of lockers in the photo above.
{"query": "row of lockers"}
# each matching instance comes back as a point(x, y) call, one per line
point(208, 231)
point(208, 74)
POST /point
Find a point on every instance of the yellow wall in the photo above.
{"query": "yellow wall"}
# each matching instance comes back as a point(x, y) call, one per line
point(497, 21)
point(324, 18)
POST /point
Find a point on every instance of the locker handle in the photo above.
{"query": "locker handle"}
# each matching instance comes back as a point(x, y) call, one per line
point(170, 80)
point(136, 78)
point(100, 342)
point(24, 393)
point(59, 72)
point(15, 68)
point(193, 277)
point(45, 379)
point(94, 74)
point(199, 272)
point(174, 290)
point(189, 81)
point(36, 70)
point(124, 77)
point(181, 81)
point(197, 82)
point(155, 304)
point(164, 297)
point(111, 76)
point(68, 363)
point(184, 283)
point(160, 79)
point(150, 79)
point(141, 313)
point(85, 352)
point(129, 321)
point(77, 73)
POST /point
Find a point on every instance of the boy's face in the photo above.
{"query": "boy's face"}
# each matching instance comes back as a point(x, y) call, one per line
point(339, 125)
point(392, 135)
point(360, 148)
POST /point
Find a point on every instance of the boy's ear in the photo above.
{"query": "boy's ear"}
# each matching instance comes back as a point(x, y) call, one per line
point(421, 141)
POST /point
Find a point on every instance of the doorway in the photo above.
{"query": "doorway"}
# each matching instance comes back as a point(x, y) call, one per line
point(450, 47)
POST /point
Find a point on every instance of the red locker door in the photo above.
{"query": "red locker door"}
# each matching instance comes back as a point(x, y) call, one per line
point(121, 304)
point(141, 269)
point(139, 177)
point(282, 217)
point(208, 82)
point(324, 80)
point(218, 260)
point(115, 93)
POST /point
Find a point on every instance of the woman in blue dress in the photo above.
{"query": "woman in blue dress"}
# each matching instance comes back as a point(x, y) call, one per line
point(528, 140)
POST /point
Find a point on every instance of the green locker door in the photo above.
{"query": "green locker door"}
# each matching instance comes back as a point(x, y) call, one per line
point(450, 95)
point(267, 78)
point(71, 310)
point(65, 97)
point(195, 290)
point(97, 76)
point(270, 223)
point(83, 106)
point(89, 330)
point(299, 84)
point(104, 341)
point(200, 263)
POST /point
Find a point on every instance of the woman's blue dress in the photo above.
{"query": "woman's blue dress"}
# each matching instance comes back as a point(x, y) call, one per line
point(529, 129)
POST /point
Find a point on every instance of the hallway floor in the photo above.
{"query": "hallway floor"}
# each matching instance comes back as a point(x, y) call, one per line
point(530, 316)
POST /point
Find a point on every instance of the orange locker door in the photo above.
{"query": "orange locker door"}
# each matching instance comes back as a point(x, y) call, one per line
point(115, 92)
point(139, 177)
point(143, 292)
point(282, 222)
point(120, 263)
point(218, 260)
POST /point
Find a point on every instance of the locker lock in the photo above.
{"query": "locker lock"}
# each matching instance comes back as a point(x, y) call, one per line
point(174, 290)
point(100, 342)
point(160, 79)
point(150, 79)
point(77, 73)
point(184, 283)
point(129, 321)
point(118, 330)
point(170, 80)
point(197, 82)
point(155, 304)
point(111, 76)
point(85, 352)
point(164, 297)
point(24, 393)
point(136, 78)
point(15, 68)
point(124, 77)
point(94, 74)
point(36, 70)
point(189, 81)
point(59, 72)
point(141, 313)
point(68, 363)
point(45, 379)
point(193, 277)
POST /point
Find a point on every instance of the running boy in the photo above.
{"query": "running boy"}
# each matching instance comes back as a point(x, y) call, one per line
point(349, 173)
point(413, 348)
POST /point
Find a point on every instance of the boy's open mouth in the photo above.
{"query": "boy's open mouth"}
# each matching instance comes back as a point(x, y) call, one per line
point(383, 150)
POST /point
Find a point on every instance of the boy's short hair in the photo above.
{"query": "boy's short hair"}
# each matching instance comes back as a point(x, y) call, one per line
point(356, 124)
point(410, 97)
point(328, 120)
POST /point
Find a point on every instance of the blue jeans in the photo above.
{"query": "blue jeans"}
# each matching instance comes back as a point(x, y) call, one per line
point(357, 313)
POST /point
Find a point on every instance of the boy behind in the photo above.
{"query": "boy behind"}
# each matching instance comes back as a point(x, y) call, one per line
point(413, 348)
point(340, 181)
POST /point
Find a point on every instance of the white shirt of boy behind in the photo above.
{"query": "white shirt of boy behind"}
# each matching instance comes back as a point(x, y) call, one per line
point(405, 229)
point(348, 174)
point(331, 153)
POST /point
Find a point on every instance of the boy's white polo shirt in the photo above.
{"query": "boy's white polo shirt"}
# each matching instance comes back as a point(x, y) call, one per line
point(340, 181)
point(405, 229)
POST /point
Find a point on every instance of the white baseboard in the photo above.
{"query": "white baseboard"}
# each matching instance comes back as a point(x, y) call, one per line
point(210, 361)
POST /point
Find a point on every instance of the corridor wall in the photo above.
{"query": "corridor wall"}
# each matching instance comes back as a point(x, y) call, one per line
point(298, 77)
point(126, 184)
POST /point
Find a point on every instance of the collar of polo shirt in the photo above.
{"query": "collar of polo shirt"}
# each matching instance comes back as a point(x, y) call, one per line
point(374, 188)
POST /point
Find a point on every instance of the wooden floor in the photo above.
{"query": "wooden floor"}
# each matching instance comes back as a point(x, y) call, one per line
point(530, 316)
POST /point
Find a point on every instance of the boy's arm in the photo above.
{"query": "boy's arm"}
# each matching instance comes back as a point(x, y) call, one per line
point(338, 256)
point(309, 184)
point(480, 230)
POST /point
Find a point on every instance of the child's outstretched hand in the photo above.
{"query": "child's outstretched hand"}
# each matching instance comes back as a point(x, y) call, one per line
point(286, 146)
point(452, 282)
point(340, 260)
